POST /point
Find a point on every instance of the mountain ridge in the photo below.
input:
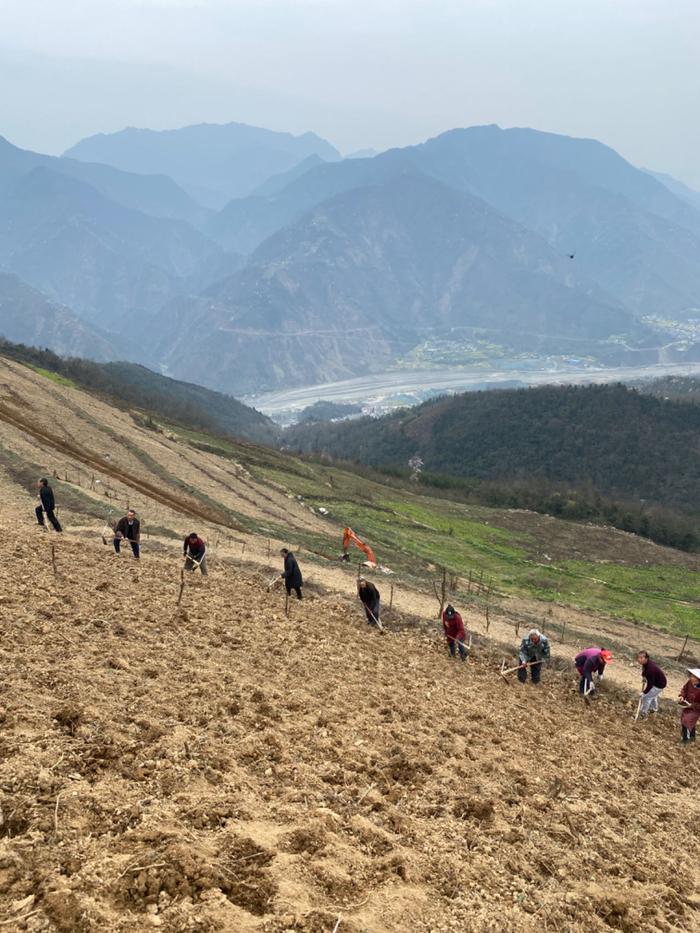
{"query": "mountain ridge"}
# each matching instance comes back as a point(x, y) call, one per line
point(227, 160)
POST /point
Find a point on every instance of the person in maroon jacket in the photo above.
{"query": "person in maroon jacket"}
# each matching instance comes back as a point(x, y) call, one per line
point(689, 699)
point(653, 682)
point(453, 626)
point(194, 553)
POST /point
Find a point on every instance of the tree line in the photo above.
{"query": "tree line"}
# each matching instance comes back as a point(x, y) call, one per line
point(596, 453)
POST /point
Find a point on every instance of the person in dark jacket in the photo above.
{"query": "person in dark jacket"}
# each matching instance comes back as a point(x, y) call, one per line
point(48, 504)
point(369, 595)
point(533, 648)
point(453, 627)
point(653, 682)
point(194, 553)
point(588, 662)
point(128, 528)
point(689, 699)
point(291, 573)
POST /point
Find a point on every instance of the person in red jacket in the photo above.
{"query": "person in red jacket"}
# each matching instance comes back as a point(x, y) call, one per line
point(689, 699)
point(454, 632)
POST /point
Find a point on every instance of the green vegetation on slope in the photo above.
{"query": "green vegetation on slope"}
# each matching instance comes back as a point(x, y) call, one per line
point(415, 535)
point(603, 453)
point(54, 376)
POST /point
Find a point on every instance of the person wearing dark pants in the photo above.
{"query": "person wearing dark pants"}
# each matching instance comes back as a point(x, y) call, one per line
point(194, 553)
point(453, 627)
point(128, 529)
point(48, 504)
point(369, 595)
point(588, 662)
point(534, 650)
point(291, 573)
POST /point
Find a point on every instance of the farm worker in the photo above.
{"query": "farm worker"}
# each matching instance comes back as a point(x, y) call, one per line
point(369, 595)
point(454, 631)
point(48, 504)
point(291, 573)
point(654, 681)
point(193, 552)
point(588, 662)
point(128, 528)
point(689, 698)
point(534, 647)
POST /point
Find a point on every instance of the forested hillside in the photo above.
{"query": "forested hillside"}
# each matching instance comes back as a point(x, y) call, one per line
point(560, 449)
point(680, 388)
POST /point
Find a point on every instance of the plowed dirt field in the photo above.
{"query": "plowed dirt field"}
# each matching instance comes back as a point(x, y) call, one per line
point(218, 765)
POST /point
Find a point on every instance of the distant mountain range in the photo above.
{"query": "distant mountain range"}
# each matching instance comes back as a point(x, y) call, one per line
point(368, 274)
point(248, 260)
point(214, 163)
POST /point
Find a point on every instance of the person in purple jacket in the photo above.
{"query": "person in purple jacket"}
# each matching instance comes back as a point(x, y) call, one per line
point(654, 681)
point(588, 662)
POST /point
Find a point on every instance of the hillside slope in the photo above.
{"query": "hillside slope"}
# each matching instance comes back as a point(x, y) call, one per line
point(114, 266)
point(156, 195)
point(27, 316)
point(150, 393)
point(611, 437)
point(216, 764)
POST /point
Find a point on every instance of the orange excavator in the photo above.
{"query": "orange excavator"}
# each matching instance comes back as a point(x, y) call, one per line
point(349, 537)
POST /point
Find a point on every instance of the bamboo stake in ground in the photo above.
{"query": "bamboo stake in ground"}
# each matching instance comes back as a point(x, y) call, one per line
point(441, 595)
point(53, 560)
point(391, 596)
point(683, 648)
point(641, 697)
point(182, 585)
point(286, 605)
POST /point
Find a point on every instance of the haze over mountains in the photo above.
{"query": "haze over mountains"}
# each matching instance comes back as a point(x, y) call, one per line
point(246, 260)
point(215, 163)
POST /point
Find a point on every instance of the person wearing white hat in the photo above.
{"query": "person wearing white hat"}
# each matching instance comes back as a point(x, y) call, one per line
point(534, 651)
point(689, 700)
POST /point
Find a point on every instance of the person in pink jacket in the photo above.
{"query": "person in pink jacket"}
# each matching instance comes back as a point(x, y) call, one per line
point(588, 662)
point(689, 699)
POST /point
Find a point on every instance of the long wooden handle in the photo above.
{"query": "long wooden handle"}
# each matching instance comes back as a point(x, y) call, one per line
point(511, 670)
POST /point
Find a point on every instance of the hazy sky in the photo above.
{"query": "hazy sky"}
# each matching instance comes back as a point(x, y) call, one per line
point(359, 72)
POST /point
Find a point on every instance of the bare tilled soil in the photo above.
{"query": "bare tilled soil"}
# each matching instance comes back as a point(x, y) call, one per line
point(219, 766)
